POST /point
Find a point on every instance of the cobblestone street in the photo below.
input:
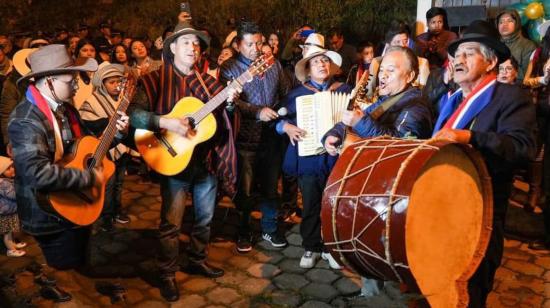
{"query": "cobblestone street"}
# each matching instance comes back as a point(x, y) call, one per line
point(263, 278)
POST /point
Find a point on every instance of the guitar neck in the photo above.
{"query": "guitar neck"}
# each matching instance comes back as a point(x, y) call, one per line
point(109, 133)
point(221, 97)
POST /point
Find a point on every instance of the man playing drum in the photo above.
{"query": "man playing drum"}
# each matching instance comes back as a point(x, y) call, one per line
point(494, 118)
point(400, 111)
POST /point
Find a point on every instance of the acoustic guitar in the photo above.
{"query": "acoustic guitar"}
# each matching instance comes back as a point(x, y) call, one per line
point(84, 207)
point(169, 153)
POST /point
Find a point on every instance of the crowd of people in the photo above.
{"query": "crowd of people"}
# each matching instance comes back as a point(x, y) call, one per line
point(485, 88)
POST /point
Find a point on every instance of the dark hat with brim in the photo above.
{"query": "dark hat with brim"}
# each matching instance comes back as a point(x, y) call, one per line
point(55, 60)
point(183, 29)
point(485, 33)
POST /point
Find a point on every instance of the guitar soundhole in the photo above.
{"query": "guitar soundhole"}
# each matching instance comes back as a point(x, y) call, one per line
point(89, 162)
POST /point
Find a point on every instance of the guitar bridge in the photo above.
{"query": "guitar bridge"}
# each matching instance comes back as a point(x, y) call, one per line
point(166, 144)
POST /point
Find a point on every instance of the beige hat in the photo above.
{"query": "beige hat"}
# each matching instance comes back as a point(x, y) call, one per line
point(5, 163)
point(54, 60)
point(314, 39)
point(106, 70)
point(300, 69)
point(20, 60)
point(229, 39)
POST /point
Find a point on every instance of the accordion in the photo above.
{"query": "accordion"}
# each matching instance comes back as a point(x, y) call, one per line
point(317, 114)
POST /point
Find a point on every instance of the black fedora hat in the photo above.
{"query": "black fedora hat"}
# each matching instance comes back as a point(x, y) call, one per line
point(485, 33)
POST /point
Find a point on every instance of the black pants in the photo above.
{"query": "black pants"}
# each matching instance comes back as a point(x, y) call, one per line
point(259, 173)
point(310, 229)
point(481, 283)
point(66, 249)
point(113, 189)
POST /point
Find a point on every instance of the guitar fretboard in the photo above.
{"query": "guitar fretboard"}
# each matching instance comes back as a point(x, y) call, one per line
point(221, 97)
point(109, 133)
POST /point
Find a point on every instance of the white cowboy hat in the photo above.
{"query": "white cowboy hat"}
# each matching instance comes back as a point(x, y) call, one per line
point(302, 72)
point(314, 39)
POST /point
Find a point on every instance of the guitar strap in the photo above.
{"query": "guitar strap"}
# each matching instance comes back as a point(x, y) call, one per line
point(203, 84)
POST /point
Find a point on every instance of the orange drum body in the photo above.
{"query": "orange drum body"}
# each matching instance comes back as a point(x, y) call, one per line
point(413, 211)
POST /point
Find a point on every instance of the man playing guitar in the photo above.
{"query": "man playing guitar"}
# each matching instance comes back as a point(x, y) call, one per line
point(41, 129)
point(177, 79)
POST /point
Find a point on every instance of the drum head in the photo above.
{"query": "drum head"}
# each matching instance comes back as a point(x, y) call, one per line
point(448, 225)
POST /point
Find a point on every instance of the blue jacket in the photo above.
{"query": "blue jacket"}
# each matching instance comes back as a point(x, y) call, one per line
point(261, 91)
point(293, 164)
point(410, 116)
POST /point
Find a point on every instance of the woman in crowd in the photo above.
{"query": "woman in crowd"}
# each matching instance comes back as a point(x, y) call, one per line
point(141, 59)
point(86, 49)
point(315, 71)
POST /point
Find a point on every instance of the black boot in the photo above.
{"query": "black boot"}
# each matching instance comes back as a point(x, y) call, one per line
point(169, 289)
point(55, 294)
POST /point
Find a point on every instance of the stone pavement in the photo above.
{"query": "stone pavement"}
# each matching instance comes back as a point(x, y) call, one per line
point(263, 278)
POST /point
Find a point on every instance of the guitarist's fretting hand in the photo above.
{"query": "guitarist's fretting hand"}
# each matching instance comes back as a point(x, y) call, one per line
point(181, 126)
point(122, 122)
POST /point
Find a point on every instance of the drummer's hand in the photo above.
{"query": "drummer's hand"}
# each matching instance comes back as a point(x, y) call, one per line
point(351, 117)
point(294, 133)
point(457, 135)
point(331, 145)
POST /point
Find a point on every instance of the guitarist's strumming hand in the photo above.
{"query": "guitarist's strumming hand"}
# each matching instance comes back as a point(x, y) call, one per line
point(294, 133)
point(331, 145)
point(122, 122)
point(267, 114)
point(99, 178)
point(182, 127)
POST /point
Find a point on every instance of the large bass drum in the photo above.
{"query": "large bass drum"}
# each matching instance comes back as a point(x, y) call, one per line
point(413, 211)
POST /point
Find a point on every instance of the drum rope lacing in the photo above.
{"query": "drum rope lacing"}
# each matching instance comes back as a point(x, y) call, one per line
point(393, 198)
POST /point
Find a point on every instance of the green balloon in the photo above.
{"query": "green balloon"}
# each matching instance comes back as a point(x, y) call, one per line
point(531, 1)
point(520, 8)
point(533, 29)
point(546, 4)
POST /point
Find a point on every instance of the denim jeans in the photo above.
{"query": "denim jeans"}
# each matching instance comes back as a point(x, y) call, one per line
point(260, 169)
point(66, 249)
point(174, 190)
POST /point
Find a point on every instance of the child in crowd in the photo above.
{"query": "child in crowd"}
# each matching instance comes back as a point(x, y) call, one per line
point(9, 222)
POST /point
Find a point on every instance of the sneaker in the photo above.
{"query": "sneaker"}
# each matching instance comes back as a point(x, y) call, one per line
point(275, 239)
point(309, 259)
point(244, 244)
point(15, 253)
point(122, 218)
point(331, 261)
